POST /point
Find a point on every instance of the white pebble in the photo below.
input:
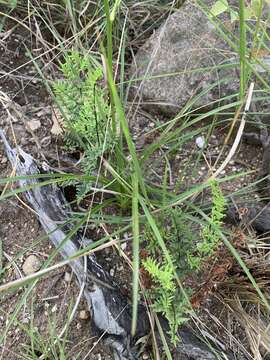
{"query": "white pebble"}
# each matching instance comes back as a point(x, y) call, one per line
point(84, 315)
point(67, 277)
point(200, 142)
point(112, 272)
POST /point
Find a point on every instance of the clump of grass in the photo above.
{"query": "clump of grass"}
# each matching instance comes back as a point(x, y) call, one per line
point(10, 6)
point(39, 346)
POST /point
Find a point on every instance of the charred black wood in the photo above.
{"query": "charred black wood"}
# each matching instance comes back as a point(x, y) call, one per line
point(255, 216)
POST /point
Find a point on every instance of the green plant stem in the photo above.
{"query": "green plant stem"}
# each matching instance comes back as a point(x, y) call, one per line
point(135, 258)
point(124, 125)
point(242, 48)
point(108, 33)
point(109, 64)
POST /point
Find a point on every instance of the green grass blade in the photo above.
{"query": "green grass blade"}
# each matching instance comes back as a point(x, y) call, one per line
point(108, 33)
point(163, 339)
point(135, 258)
point(114, 10)
point(124, 125)
point(242, 48)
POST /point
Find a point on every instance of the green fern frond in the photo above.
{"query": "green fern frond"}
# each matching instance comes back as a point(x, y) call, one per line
point(86, 110)
point(210, 233)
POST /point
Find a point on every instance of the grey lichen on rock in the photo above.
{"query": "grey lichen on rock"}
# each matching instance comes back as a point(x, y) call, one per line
point(188, 60)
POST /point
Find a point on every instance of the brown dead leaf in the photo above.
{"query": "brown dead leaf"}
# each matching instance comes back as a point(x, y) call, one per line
point(259, 52)
point(57, 119)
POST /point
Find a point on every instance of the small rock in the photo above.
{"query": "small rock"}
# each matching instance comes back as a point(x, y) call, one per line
point(112, 272)
point(67, 277)
point(145, 356)
point(34, 125)
point(31, 265)
point(23, 141)
point(186, 47)
point(78, 326)
point(84, 315)
point(200, 142)
point(25, 319)
point(123, 246)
